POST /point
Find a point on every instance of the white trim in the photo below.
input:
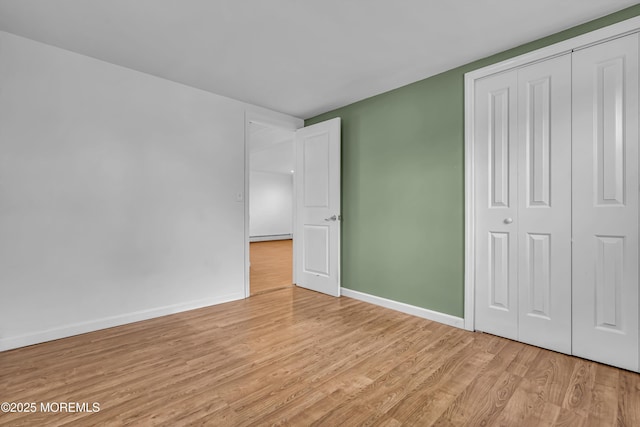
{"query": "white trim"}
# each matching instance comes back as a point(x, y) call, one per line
point(109, 322)
point(469, 203)
point(436, 316)
point(270, 237)
point(294, 217)
point(601, 35)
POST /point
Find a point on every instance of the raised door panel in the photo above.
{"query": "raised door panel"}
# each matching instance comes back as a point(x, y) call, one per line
point(538, 292)
point(544, 204)
point(608, 105)
point(496, 205)
point(605, 202)
point(316, 171)
point(609, 275)
point(498, 140)
point(316, 250)
point(499, 271)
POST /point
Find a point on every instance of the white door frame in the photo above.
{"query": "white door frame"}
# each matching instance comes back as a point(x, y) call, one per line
point(272, 120)
point(619, 29)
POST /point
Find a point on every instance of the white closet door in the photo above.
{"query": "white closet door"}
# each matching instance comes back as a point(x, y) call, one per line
point(605, 202)
point(495, 114)
point(544, 204)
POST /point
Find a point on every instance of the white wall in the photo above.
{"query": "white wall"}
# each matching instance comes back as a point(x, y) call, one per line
point(118, 195)
point(271, 205)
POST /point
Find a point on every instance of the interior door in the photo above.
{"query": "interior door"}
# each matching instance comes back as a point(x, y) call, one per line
point(544, 204)
point(523, 204)
point(495, 138)
point(605, 202)
point(317, 215)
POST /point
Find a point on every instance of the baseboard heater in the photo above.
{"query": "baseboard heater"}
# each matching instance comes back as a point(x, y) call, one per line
point(270, 237)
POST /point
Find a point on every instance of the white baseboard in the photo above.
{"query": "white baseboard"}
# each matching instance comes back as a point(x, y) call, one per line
point(436, 316)
point(109, 322)
point(271, 237)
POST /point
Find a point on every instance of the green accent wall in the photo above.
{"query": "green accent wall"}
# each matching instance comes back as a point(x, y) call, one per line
point(403, 184)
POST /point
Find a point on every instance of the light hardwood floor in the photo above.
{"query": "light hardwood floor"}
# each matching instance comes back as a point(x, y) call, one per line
point(271, 265)
point(296, 357)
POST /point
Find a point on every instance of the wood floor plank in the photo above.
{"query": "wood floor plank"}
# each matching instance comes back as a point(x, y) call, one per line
point(579, 393)
point(425, 404)
point(271, 265)
point(551, 373)
point(487, 394)
point(386, 390)
point(603, 409)
point(318, 371)
point(295, 357)
point(337, 378)
point(568, 418)
point(523, 361)
point(628, 399)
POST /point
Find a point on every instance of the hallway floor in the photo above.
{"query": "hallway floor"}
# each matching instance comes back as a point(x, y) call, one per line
point(271, 265)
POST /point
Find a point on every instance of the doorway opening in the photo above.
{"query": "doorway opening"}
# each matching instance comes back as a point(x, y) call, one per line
point(271, 204)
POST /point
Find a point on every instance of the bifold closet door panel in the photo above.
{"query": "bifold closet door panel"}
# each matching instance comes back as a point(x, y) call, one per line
point(495, 160)
point(544, 204)
point(605, 202)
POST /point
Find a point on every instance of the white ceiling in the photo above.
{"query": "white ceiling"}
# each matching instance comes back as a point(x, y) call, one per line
point(271, 149)
point(299, 57)
point(277, 159)
point(262, 136)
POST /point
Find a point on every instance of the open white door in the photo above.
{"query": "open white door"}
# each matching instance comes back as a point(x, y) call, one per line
point(317, 214)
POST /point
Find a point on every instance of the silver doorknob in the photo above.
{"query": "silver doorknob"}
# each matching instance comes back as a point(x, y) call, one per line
point(508, 220)
point(331, 218)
